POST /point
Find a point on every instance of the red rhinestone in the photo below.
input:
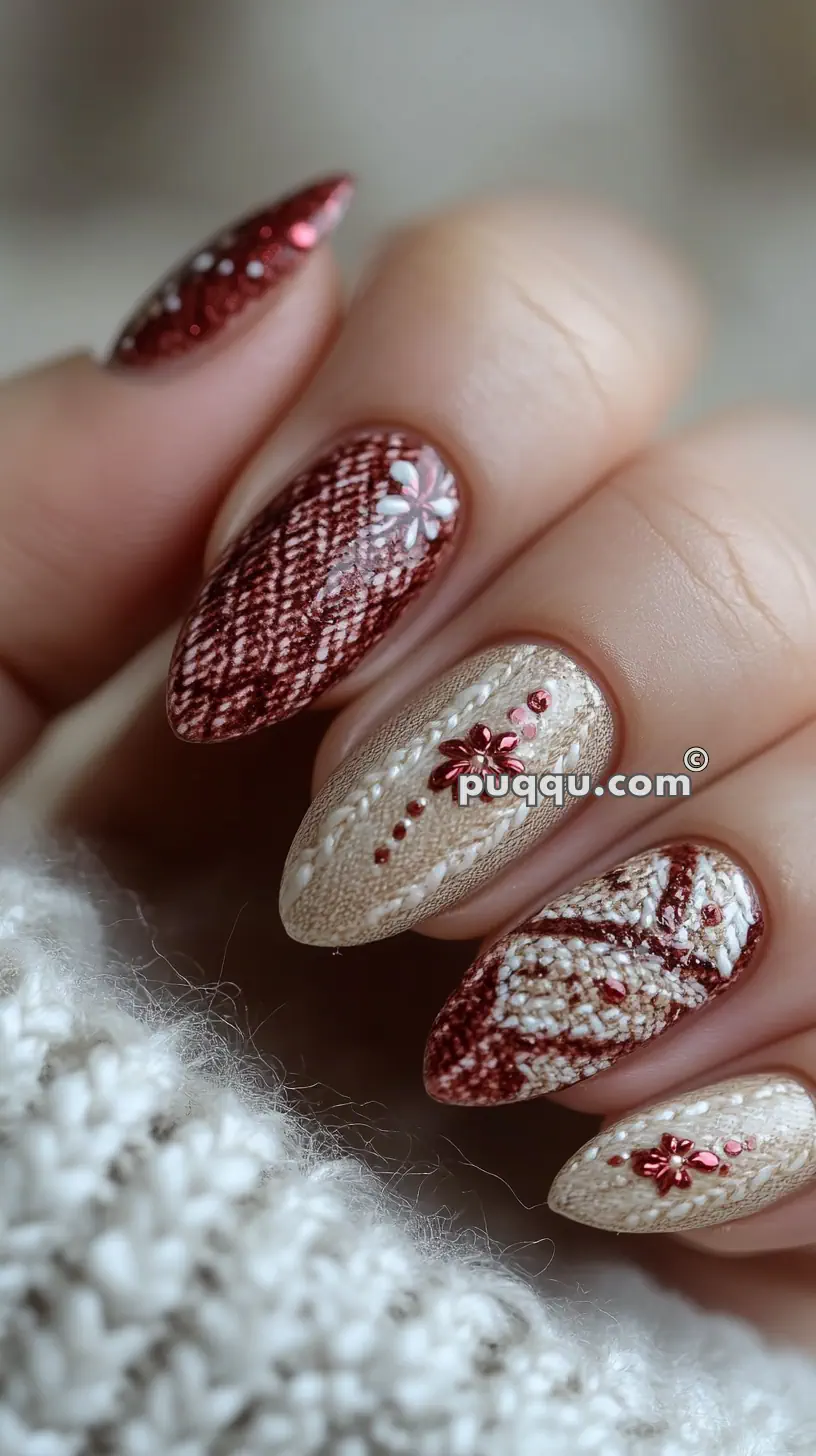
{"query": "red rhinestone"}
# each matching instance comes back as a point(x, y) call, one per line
point(399, 831)
point(303, 234)
point(723, 1169)
point(749, 1144)
point(615, 1161)
point(415, 808)
point(479, 737)
point(711, 915)
point(520, 717)
point(504, 742)
point(447, 773)
point(381, 854)
point(539, 701)
point(703, 1160)
point(647, 1162)
point(613, 990)
point(454, 748)
point(732, 1148)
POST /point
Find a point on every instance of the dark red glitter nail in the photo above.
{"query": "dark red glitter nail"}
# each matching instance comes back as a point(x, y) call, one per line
point(240, 264)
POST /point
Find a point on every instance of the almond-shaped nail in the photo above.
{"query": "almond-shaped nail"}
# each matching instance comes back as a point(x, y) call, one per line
point(594, 974)
point(705, 1157)
point(239, 265)
point(311, 584)
point(387, 843)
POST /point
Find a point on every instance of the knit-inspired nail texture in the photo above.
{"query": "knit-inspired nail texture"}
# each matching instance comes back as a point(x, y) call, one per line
point(594, 974)
point(241, 264)
point(386, 842)
point(699, 1159)
point(314, 581)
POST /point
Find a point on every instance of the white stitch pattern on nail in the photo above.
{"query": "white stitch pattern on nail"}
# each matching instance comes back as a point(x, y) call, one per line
point(694, 1161)
point(370, 858)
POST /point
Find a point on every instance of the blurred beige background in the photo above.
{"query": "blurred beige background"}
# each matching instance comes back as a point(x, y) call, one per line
point(128, 129)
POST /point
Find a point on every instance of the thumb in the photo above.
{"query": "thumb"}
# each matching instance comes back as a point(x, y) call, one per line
point(110, 477)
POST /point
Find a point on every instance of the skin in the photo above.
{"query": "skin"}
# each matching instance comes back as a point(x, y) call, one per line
point(540, 345)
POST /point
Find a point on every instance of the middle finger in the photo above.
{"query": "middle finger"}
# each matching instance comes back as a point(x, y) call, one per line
point(687, 585)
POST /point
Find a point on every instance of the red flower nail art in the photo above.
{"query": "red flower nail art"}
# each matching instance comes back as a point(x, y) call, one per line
point(672, 1162)
point(239, 265)
point(312, 583)
point(687, 1179)
point(481, 752)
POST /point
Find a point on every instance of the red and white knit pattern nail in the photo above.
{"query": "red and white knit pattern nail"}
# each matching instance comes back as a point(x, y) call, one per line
point(593, 975)
point(238, 266)
point(315, 580)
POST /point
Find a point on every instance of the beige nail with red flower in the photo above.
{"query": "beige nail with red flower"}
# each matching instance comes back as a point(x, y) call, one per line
point(387, 843)
point(702, 1158)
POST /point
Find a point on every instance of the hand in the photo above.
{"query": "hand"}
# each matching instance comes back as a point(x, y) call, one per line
point(534, 349)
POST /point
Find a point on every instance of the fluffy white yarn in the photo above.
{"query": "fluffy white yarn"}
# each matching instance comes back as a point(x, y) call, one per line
point(183, 1271)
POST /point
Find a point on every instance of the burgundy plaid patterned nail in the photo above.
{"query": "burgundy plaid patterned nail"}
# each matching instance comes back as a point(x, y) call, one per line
point(313, 582)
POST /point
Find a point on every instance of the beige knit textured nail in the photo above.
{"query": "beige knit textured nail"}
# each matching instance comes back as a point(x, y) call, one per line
point(706, 1157)
point(387, 843)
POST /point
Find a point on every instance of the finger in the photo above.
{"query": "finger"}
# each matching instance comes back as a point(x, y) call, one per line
point(788, 1221)
point(684, 588)
point(688, 585)
point(708, 1157)
point(110, 478)
point(501, 358)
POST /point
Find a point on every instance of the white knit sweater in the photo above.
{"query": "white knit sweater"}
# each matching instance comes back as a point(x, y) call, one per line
point(186, 1269)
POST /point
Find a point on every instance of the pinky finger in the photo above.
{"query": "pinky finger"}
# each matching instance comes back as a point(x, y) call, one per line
point(785, 1221)
point(705, 1159)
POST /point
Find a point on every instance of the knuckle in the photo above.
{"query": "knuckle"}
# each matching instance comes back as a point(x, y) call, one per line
point(504, 269)
point(753, 571)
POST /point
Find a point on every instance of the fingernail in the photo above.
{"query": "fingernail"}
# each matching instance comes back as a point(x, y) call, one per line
point(241, 264)
point(705, 1157)
point(315, 580)
point(386, 842)
point(593, 975)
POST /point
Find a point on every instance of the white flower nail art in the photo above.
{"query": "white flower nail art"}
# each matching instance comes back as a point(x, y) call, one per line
point(424, 497)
